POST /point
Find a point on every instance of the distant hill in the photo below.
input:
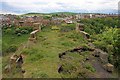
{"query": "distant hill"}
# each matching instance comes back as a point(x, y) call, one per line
point(71, 13)
point(67, 13)
point(40, 14)
point(37, 14)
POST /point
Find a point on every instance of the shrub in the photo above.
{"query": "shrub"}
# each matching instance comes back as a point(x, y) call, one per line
point(101, 45)
point(29, 29)
point(18, 34)
point(17, 30)
point(110, 48)
point(110, 58)
point(24, 31)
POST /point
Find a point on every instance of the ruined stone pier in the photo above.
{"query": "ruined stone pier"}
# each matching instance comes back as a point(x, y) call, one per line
point(33, 36)
point(80, 28)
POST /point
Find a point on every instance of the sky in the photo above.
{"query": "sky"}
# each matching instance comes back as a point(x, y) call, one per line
point(50, 6)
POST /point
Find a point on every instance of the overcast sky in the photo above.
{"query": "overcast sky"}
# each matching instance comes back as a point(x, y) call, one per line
point(48, 6)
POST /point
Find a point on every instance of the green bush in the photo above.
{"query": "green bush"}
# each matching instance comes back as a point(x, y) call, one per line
point(98, 25)
point(17, 30)
point(117, 49)
point(18, 34)
point(24, 31)
point(110, 59)
point(101, 45)
point(110, 48)
point(29, 29)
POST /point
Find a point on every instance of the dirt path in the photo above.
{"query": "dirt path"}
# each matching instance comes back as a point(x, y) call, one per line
point(100, 71)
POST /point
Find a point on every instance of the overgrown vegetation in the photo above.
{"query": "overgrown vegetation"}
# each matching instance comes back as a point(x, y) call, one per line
point(13, 37)
point(105, 35)
point(41, 59)
point(67, 27)
point(99, 25)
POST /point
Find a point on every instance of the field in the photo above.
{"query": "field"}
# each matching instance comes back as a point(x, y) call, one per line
point(41, 59)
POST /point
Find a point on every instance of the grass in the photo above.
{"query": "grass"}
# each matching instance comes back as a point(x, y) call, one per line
point(49, 48)
point(9, 39)
point(14, 39)
point(41, 59)
point(73, 66)
point(90, 67)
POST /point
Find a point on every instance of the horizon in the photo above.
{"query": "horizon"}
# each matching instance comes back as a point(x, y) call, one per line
point(47, 6)
point(53, 13)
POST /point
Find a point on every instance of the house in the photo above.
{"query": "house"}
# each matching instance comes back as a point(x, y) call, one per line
point(68, 21)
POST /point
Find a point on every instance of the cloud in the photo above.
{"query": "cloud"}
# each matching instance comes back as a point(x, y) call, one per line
point(46, 6)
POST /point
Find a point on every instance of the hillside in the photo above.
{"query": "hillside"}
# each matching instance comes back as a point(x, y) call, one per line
point(41, 14)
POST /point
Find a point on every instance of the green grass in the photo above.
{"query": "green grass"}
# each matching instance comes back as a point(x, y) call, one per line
point(41, 59)
point(90, 67)
point(73, 66)
point(9, 39)
point(49, 45)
